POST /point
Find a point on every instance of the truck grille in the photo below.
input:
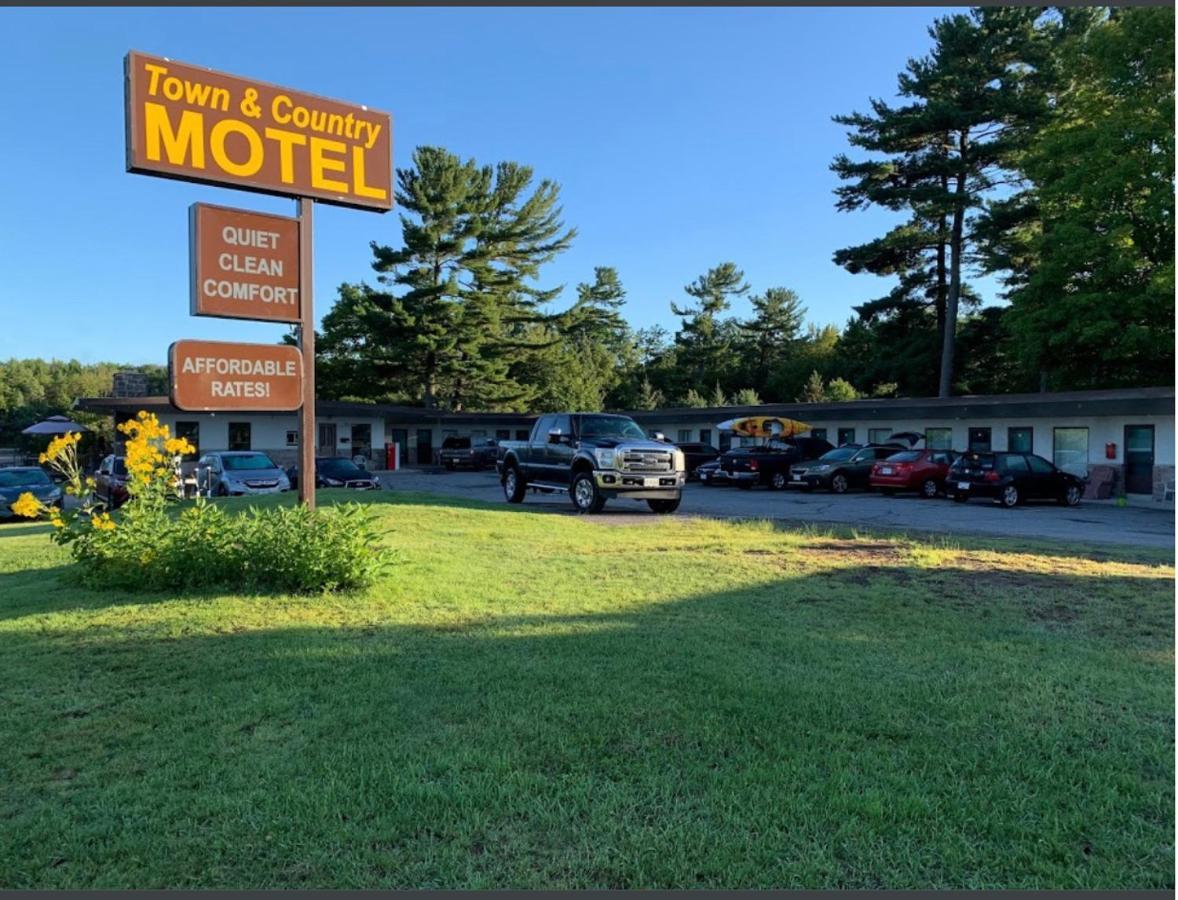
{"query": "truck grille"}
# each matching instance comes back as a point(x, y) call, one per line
point(647, 461)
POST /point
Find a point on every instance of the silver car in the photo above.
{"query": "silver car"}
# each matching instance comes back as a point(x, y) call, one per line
point(228, 473)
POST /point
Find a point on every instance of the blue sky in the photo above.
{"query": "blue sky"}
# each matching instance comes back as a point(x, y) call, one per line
point(681, 138)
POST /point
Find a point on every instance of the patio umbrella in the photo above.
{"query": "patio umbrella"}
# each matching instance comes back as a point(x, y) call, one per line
point(55, 425)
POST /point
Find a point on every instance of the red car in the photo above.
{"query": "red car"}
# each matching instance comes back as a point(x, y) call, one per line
point(922, 471)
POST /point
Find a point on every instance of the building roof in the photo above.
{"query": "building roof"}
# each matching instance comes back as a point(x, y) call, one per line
point(1156, 401)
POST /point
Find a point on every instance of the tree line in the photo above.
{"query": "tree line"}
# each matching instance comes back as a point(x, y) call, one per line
point(1035, 145)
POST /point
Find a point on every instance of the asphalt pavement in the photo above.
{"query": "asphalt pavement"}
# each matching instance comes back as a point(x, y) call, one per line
point(1094, 523)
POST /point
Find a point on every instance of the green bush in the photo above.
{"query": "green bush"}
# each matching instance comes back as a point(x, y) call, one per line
point(293, 550)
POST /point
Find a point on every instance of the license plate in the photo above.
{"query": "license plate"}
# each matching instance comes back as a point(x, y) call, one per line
point(963, 485)
point(650, 482)
point(795, 478)
point(886, 470)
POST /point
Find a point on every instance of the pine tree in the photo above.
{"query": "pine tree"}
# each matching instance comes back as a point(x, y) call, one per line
point(974, 100)
point(704, 342)
point(695, 399)
point(746, 397)
point(814, 390)
point(648, 396)
point(718, 397)
point(772, 333)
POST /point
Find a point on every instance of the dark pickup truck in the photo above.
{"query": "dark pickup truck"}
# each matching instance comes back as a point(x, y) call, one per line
point(462, 451)
point(595, 457)
point(769, 463)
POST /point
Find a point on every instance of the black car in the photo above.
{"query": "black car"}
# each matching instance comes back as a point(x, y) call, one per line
point(17, 480)
point(843, 468)
point(696, 455)
point(1011, 478)
point(770, 463)
point(711, 474)
point(333, 471)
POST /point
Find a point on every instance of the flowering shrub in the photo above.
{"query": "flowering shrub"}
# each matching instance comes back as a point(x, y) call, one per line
point(146, 546)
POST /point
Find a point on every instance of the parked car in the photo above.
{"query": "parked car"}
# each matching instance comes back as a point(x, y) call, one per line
point(235, 472)
point(331, 471)
point(843, 468)
point(696, 455)
point(461, 451)
point(595, 457)
point(711, 474)
point(17, 480)
point(922, 471)
point(770, 463)
point(1011, 478)
point(110, 482)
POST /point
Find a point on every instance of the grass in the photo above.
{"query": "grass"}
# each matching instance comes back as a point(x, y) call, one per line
point(534, 700)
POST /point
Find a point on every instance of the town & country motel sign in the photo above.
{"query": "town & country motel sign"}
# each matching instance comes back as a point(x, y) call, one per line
point(199, 125)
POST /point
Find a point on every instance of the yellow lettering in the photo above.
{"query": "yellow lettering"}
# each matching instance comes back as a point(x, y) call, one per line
point(362, 189)
point(187, 140)
point(319, 164)
point(217, 147)
point(156, 72)
point(280, 100)
point(287, 140)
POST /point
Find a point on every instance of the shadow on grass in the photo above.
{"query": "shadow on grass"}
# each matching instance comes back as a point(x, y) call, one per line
point(854, 730)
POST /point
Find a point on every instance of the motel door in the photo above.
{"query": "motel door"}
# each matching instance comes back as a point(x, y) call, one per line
point(327, 438)
point(425, 449)
point(1139, 459)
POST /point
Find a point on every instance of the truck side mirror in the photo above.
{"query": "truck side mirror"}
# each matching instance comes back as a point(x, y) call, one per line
point(554, 436)
point(659, 436)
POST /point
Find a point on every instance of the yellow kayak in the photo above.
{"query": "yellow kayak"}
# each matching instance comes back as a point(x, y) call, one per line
point(764, 426)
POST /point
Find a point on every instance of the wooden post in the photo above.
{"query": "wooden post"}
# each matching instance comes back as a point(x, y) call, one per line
point(307, 345)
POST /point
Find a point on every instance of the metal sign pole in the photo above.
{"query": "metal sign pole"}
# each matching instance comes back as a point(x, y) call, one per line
point(307, 345)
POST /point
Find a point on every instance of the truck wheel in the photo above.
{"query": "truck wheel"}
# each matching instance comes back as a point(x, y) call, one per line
point(664, 507)
point(777, 481)
point(514, 487)
point(585, 495)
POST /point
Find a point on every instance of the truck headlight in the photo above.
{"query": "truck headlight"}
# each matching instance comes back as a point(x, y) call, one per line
point(605, 457)
point(680, 461)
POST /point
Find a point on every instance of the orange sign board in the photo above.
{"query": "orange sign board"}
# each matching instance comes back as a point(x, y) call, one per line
point(245, 265)
point(197, 124)
point(210, 376)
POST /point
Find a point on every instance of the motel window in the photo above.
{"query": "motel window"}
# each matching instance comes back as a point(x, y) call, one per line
point(818, 433)
point(521, 434)
point(1020, 440)
point(938, 438)
point(748, 441)
point(878, 435)
point(239, 436)
point(705, 436)
point(190, 431)
point(979, 440)
point(503, 434)
point(361, 438)
point(1071, 450)
point(846, 436)
point(684, 435)
point(478, 436)
point(292, 439)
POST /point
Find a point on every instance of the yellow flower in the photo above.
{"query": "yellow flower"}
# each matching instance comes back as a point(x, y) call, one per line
point(56, 521)
point(28, 506)
point(58, 447)
point(103, 522)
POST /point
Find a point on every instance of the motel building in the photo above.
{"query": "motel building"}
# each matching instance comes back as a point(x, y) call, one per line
point(1123, 439)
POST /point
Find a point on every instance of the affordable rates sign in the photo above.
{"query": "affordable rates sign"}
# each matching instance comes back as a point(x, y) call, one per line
point(245, 265)
point(200, 125)
point(210, 376)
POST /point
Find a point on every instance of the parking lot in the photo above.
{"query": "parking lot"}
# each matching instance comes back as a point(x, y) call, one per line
point(1098, 523)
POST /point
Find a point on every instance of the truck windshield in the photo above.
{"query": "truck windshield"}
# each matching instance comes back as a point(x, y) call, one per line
point(610, 426)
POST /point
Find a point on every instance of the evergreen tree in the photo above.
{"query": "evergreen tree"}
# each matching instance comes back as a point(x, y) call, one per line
point(695, 399)
point(972, 103)
point(704, 342)
point(814, 390)
point(746, 397)
point(772, 333)
point(648, 396)
point(718, 397)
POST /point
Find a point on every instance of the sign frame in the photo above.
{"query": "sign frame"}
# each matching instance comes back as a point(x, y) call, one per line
point(261, 404)
point(247, 183)
point(295, 316)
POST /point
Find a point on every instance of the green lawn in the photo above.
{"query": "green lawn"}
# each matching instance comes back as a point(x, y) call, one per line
point(537, 700)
